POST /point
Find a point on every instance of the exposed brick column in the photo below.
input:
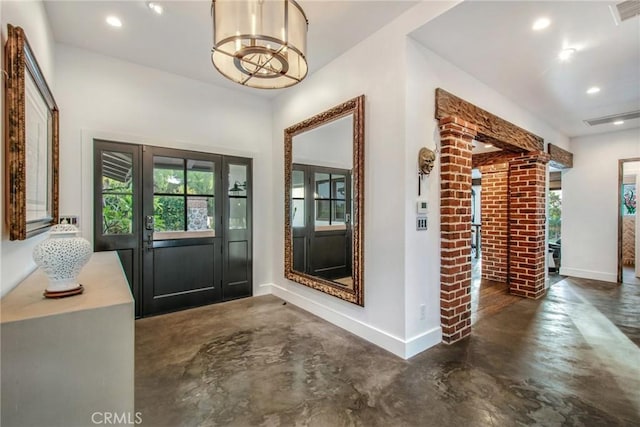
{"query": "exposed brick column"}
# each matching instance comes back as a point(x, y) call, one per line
point(527, 224)
point(494, 202)
point(456, 138)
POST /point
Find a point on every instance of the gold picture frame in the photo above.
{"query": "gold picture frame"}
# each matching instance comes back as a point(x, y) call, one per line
point(31, 142)
point(355, 293)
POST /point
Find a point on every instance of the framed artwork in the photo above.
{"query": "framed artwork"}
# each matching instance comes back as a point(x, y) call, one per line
point(32, 143)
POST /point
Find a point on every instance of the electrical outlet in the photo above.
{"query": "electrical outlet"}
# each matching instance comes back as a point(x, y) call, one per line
point(421, 223)
point(423, 311)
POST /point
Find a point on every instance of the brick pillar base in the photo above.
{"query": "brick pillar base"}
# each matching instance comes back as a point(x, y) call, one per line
point(456, 138)
point(527, 224)
point(494, 230)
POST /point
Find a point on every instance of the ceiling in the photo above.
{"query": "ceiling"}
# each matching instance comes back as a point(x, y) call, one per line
point(179, 41)
point(501, 49)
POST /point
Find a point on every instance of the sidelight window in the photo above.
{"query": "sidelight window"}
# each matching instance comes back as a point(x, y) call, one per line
point(117, 193)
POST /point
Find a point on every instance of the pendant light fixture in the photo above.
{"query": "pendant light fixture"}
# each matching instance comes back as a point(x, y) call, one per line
point(260, 43)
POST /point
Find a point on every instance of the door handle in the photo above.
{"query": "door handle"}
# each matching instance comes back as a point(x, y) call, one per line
point(149, 245)
point(148, 222)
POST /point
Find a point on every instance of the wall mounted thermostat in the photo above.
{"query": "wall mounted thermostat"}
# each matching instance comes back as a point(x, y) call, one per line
point(422, 207)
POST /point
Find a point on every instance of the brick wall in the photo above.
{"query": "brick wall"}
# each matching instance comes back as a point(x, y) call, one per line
point(527, 224)
point(456, 138)
point(494, 234)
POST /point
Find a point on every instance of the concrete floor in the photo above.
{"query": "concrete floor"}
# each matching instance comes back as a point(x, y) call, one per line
point(571, 358)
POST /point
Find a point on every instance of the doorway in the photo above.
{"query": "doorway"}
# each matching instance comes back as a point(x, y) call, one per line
point(628, 221)
point(179, 220)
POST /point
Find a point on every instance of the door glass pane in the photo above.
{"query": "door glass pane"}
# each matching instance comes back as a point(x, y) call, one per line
point(338, 211)
point(297, 213)
point(297, 196)
point(337, 187)
point(200, 177)
point(237, 180)
point(200, 213)
point(117, 213)
point(168, 175)
point(323, 212)
point(297, 184)
point(323, 190)
point(237, 213)
point(117, 193)
point(168, 212)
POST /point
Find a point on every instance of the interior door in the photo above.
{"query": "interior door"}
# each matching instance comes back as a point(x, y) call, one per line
point(182, 233)
point(237, 251)
point(117, 184)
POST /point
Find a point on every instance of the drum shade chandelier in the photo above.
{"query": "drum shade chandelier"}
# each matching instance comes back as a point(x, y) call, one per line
point(260, 43)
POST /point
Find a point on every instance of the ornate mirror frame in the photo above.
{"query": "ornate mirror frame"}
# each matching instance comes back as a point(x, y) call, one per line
point(21, 60)
point(353, 107)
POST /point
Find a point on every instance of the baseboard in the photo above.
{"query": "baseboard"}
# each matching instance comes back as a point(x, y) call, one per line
point(421, 342)
point(391, 343)
point(588, 274)
point(263, 289)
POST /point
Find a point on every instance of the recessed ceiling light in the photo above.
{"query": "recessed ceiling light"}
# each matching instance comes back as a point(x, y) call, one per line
point(566, 54)
point(618, 122)
point(114, 21)
point(157, 8)
point(488, 145)
point(541, 24)
point(592, 90)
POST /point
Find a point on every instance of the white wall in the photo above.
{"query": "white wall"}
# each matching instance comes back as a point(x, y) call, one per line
point(382, 319)
point(427, 71)
point(590, 204)
point(329, 145)
point(30, 15)
point(103, 97)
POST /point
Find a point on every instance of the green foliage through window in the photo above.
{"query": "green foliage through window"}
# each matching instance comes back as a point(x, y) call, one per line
point(555, 214)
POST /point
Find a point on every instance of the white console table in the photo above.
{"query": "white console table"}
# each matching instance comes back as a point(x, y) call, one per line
point(63, 360)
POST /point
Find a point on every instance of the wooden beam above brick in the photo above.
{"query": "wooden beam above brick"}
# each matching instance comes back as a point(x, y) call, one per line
point(491, 128)
point(560, 158)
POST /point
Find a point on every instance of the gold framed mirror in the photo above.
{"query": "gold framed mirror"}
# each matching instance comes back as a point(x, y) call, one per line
point(32, 142)
point(324, 201)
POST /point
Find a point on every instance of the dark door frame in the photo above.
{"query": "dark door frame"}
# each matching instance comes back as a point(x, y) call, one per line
point(102, 242)
point(621, 163)
point(222, 220)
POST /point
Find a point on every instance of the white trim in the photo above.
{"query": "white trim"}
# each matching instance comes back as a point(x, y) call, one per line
point(391, 343)
point(421, 342)
point(588, 274)
point(263, 289)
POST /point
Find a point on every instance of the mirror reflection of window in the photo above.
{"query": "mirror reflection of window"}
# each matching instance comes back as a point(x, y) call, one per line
point(330, 199)
point(297, 199)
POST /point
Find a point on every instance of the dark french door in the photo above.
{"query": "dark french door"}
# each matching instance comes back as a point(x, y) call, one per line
point(321, 221)
point(187, 238)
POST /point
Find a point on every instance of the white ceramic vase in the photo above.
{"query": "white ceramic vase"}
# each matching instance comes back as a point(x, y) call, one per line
point(62, 256)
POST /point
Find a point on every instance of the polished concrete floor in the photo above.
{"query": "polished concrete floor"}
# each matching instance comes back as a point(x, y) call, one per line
point(569, 359)
point(629, 275)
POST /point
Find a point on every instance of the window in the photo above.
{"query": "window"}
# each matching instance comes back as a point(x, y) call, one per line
point(297, 199)
point(555, 214)
point(183, 194)
point(330, 199)
point(628, 199)
point(117, 193)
